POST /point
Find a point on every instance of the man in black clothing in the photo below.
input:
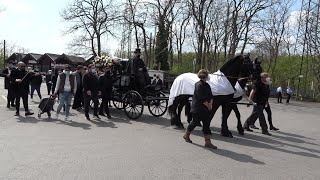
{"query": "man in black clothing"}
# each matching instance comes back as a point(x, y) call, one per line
point(137, 68)
point(8, 85)
point(260, 95)
point(105, 85)
point(91, 91)
point(21, 80)
point(49, 81)
point(36, 82)
point(78, 98)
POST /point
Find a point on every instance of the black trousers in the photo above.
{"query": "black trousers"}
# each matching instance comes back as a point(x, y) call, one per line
point(257, 113)
point(37, 88)
point(288, 98)
point(24, 97)
point(205, 118)
point(104, 106)
point(10, 96)
point(279, 97)
point(87, 99)
point(269, 113)
point(78, 99)
point(49, 88)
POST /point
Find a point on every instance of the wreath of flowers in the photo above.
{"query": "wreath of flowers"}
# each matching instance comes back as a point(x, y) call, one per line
point(105, 61)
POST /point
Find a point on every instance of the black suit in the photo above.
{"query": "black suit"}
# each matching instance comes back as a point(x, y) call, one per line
point(21, 89)
point(49, 83)
point(9, 86)
point(105, 85)
point(90, 83)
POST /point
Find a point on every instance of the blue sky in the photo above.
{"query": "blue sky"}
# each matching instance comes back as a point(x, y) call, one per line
point(37, 26)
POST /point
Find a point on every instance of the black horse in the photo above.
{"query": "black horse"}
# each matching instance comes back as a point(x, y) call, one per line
point(233, 105)
point(240, 66)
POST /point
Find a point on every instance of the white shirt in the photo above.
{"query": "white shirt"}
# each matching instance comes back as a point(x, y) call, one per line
point(289, 91)
point(67, 86)
point(279, 89)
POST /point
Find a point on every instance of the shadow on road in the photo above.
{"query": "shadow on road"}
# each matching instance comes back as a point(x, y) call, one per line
point(232, 155)
point(101, 123)
point(252, 140)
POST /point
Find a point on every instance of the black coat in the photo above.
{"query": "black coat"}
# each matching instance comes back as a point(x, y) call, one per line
point(202, 93)
point(7, 82)
point(134, 65)
point(105, 85)
point(90, 82)
point(36, 80)
point(23, 87)
point(48, 78)
point(262, 93)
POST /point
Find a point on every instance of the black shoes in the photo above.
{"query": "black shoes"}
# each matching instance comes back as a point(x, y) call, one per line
point(101, 114)
point(247, 128)
point(274, 128)
point(28, 113)
point(266, 133)
point(17, 114)
point(109, 116)
point(87, 117)
point(253, 127)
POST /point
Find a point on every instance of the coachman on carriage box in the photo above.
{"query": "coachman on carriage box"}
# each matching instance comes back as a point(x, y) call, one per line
point(137, 67)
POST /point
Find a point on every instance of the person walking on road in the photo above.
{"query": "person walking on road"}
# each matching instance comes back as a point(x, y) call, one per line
point(78, 98)
point(279, 94)
point(21, 80)
point(105, 85)
point(67, 87)
point(91, 91)
point(49, 82)
point(202, 101)
point(260, 95)
point(289, 93)
point(36, 84)
point(8, 85)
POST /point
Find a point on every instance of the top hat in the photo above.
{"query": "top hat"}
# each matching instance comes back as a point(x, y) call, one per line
point(138, 50)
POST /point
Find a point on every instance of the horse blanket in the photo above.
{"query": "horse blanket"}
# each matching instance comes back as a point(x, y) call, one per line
point(184, 85)
point(239, 91)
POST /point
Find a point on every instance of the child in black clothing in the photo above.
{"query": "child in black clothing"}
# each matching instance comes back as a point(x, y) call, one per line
point(202, 101)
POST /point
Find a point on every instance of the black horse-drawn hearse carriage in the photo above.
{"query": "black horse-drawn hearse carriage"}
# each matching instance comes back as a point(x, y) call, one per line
point(126, 97)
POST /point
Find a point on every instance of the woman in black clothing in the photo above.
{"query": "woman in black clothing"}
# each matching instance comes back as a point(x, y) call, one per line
point(201, 106)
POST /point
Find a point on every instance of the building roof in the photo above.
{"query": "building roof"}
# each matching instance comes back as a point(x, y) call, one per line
point(15, 57)
point(32, 57)
point(71, 59)
point(52, 57)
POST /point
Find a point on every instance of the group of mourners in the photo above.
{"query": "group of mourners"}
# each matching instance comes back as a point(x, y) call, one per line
point(202, 102)
point(87, 83)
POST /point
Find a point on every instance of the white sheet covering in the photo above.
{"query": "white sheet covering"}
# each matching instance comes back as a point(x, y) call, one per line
point(184, 84)
point(239, 91)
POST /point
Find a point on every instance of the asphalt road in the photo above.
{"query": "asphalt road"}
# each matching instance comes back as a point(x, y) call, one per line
point(149, 148)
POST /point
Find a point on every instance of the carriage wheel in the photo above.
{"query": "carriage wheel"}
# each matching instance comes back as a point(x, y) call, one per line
point(158, 107)
point(133, 104)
